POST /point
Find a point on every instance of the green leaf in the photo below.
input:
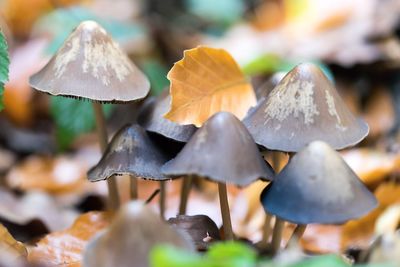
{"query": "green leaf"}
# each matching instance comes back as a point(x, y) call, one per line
point(4, 65)
point(72, 118)
point(168, 256)
point(268, 63)
point(319, 261)
point(157, 74)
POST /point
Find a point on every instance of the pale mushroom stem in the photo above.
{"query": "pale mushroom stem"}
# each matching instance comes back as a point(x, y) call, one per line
point(226, 217)
point(297, 234)
point(113, 196)
point(162, 198)
point(277, 235)
point(276, 161)
point(185, 191)
point(134, 188)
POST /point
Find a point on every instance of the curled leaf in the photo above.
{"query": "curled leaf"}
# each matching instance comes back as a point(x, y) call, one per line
point(9, 245)
point(204, 82)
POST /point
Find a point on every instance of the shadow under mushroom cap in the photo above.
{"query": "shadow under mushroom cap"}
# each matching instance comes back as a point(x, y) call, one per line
point(91, 65)
point(317, 186)
point(302, 108)
point(151, 118)
point(130, 152)
point(129, 240)
point(223, 151)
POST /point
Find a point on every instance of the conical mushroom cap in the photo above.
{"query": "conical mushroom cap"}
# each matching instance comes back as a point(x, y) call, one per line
point(317, 186)
point(221, 150)
point(130, 152)
point(130, 238)
point(302, 108)
point(151, 118)
point(91, 65)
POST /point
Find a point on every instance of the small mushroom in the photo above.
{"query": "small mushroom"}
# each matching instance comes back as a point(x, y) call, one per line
point(223, 151)
point(92, 66)
point(302, 108)
point(130, 152)
point(130, 238)
point(168, 133)
point(151, 118)
point(317, 186)
point(202, 230)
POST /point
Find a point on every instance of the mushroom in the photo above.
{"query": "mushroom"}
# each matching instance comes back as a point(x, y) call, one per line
point(130, 152)
point(130, 238)
point(169, 133)
point(302, 108)
point(92, 66)
point(202, 230)
point(223, 151)
point(317, 186)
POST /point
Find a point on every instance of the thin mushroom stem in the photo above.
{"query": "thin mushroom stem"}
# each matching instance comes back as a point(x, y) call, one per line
point(297, 234)
point(277, 235)
point(134, 188)
point(185, 191)
point(276, 161)
point(226, 217)
point(267, 229)
point(113, 195)
point(162, 199)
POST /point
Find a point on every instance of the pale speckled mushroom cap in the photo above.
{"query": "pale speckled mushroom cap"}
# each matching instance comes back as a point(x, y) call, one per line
point(317, 186)
point(222, 150)
point(134, 232)
point(151, 118)
point(130, 152)
point(91, 65)
point(302, 108)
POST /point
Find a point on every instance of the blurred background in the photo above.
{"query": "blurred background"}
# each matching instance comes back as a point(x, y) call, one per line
point(47, 144)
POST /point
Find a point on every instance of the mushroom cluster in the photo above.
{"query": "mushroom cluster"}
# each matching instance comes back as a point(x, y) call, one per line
point(302, 115)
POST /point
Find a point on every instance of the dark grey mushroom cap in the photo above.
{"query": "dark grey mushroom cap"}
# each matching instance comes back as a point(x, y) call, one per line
point(222, 150)
point(151, 118)
point(130, 152)
point(317, 186)
point(302, 108)
point(202, 230)
point(130, 238)
point(91, 65)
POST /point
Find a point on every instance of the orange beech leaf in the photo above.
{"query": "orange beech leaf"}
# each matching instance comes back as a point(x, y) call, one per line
point(360, 232)
point(204, 82)
point(9, 245)
point(65, 248)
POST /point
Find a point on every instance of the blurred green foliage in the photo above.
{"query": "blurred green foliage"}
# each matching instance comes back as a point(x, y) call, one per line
point(72, 118)
point(4, 64)
point(237, 254)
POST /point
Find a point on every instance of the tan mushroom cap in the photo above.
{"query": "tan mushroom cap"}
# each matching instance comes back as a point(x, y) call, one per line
point(302, 108)
point(91, 65)
point(129, 240)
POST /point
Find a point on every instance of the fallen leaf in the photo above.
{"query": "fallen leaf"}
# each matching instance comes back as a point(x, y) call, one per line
point(9, 244)
point(34, 206)
point(204, 82)
point(389, 221)
point(372, 166)
point(53, 175)
point(65, 248)
point(359, 233)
